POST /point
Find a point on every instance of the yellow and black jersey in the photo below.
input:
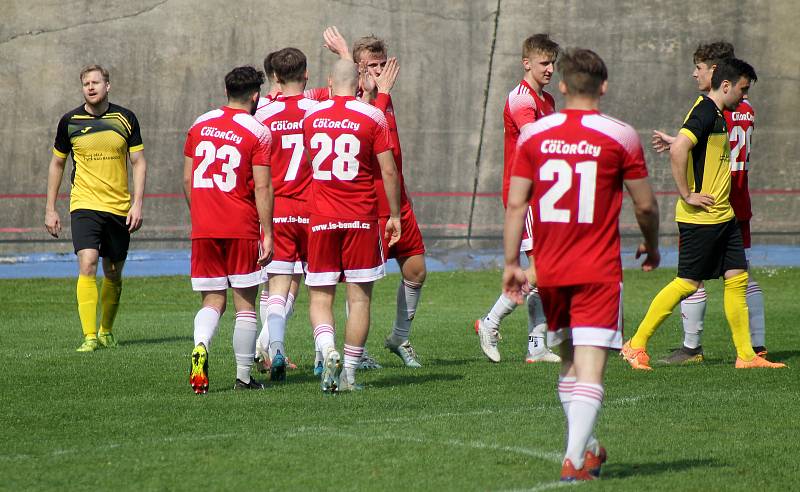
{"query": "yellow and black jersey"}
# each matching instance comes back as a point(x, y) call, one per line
point(709, 164)
point(99, 146)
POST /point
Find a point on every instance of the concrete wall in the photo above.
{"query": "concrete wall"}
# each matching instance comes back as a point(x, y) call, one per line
point(458, 62)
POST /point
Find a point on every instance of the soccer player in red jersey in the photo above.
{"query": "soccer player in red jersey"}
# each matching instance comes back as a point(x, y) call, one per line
point(378, 74)
point(291, 180)
point(740, 124)
point(226, 179)
point(572, 165)
point(526, 103)
point(341, 136)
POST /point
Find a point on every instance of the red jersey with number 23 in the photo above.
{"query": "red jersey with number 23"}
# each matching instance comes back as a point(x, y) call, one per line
point(577, 161)
point(341, 136)
point(225, 144)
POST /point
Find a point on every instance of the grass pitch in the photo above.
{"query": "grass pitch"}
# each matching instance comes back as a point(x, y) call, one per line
point(127, 419)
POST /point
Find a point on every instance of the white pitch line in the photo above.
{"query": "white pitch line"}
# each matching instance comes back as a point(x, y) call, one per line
point(546, 486)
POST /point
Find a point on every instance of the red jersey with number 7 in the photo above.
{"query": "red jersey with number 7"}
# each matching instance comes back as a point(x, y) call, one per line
point(341, 136)
point(291, 174)
point(225, 144)
point(577, 161)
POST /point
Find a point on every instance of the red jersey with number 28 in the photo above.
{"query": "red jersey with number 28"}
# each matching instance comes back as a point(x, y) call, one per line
point(341, 136)
point(577, 161)
point(741, 123)
point(225, 144)
point(523, 106)
point(291, 175)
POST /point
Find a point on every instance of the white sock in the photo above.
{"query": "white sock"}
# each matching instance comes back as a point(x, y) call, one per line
point(263, 337)
point(755, 307)
point(352, 358)
point(693, 310)
point(276, 321)
point(566, 386)
point(502, 308)
point(245, 330)
point(205, 325)
point(324, 338)
point(289, 305)
point(537, 324)
point(407, 298)
point(583, 410)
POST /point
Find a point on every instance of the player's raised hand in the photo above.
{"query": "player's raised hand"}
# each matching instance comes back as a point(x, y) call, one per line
point(385, 81)
point(702, 200)
point(335, 42)
point(652, 257)
point(661, 141)
point(266, 250)
point(52, 222)
point(365, 81)
point(392, 232)
point(515, 283)
point(134, 218)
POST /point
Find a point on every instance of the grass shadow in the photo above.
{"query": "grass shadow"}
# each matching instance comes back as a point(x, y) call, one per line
point(151, 341)
point(412, 378)
point(625, 470)
point(782, 355)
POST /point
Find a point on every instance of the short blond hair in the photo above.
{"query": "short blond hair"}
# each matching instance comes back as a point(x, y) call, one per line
point(542, 44)
point(371, 44)
point(95, 68)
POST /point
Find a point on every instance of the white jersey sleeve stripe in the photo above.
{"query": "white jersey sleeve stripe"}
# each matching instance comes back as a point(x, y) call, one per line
point(531, 129)
point(622, 133)
point(368, 110)
point(214, 113)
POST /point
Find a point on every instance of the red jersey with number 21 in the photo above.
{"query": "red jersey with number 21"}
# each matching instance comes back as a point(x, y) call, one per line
point(577, 161)
point(342, 135)
point(225, 144)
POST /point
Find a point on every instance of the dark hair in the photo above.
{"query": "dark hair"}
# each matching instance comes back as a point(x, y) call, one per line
point(94, 68)
point(713, 53)
point(242, 82)
point(583, 71)
point(540, 43)
point(269, 70)
point(732, 69)
point(289, 65)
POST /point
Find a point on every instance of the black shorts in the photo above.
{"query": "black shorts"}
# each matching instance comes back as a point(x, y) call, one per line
point(103, 231)
point(706, 251)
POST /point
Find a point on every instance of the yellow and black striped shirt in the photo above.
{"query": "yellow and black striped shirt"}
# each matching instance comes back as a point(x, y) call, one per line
point(99, 146)
point(708, 170)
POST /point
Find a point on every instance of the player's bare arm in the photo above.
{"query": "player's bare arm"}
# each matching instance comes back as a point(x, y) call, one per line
point(679, 160)
point(645, 207)
point(139, 166)
point(335, 42)
point(52, 221)
point(661, 141)
point(391, 184)
point(264, 201)
point(187, 180)
point(515, 283)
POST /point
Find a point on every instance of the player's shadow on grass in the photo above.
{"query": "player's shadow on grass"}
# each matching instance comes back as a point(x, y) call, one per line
point(411, 378)
point(625, 470)
point(453, 362)
point(782, 355)
point(151, 341)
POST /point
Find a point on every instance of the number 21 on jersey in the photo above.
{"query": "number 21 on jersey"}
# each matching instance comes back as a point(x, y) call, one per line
point(560, 171)
point(230, 158)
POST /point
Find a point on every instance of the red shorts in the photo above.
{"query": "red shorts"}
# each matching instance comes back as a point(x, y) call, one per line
point(218, 263)
point(744, 226)
point(590, 314)
point(410, 243)
point(343, 249)
point(527, 234)
point(289, 236)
